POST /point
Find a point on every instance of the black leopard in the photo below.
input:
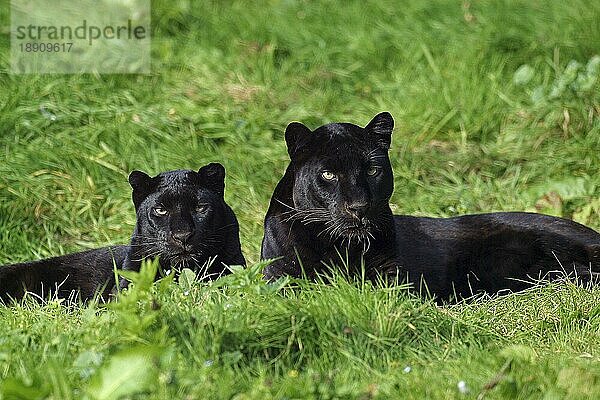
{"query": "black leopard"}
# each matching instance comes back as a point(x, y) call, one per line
point(181, 219)
point(331, 208)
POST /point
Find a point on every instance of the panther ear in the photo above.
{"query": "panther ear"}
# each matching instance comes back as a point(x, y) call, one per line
point(212, 176)
point(296, 137)
point(142, 185)
point(382, 126)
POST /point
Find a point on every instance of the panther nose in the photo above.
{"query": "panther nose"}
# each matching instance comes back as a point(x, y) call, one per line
point(181, 237)
point(357, 209)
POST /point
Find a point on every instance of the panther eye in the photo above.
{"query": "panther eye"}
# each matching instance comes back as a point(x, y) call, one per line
point(328, 176)
point(201, 208)
point(372, 171)
point(159, 211)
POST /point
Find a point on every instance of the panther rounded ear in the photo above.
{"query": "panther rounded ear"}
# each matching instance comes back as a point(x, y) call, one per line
point(296, 137)
point(142, 184)
point(138, 179)
point(212, 176)
point(382, 126)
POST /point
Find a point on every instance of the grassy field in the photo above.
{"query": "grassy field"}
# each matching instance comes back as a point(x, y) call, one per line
point(497, 107)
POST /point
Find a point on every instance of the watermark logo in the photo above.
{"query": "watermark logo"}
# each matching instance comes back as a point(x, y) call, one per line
point(80, 36)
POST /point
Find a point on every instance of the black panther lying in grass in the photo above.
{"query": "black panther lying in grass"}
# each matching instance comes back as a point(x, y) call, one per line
point(332, 208)
point(182, 219)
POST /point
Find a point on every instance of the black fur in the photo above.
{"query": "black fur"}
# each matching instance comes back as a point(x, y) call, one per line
point(504, 251)
point(314, 223)
point(198, 231)
point(72, 276)
point(346, 218)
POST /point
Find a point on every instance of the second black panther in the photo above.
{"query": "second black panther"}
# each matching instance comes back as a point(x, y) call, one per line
point(332, 208)
point(181, 219)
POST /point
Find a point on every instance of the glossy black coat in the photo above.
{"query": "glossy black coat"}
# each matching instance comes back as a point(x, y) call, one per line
point(447, 257)
point(204, 240)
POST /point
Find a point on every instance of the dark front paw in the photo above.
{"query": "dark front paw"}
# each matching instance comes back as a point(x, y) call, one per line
point(277, 269)
point(270, 273)
point(390, 272)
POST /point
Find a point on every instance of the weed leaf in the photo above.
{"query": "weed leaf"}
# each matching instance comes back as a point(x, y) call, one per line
point(127, 372)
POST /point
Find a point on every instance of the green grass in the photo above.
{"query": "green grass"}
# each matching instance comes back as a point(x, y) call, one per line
point(475, 131)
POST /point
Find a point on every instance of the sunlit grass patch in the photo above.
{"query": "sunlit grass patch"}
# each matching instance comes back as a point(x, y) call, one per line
point(496, 105)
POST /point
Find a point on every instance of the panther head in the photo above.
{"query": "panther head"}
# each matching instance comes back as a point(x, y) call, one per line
point(342, 177)
point(181, 215)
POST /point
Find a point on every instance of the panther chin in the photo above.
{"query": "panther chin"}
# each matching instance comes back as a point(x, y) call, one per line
point(357, 233)
point(185, 259)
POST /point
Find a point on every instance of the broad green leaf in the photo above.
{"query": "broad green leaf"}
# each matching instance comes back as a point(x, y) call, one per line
point(125, 373)
point(12, 388)
point(187, 278)
point(523, 74)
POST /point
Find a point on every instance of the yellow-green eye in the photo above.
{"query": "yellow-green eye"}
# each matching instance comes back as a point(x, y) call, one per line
point(372, 171)
point(161, 212)
point(328, 176)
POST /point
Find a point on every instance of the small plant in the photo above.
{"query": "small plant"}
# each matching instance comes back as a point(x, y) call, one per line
point(576, 80)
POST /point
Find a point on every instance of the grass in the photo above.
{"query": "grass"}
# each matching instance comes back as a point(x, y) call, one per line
point(490, 115)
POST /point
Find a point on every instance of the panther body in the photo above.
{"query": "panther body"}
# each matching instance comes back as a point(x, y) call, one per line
point(181, 219)
point(331, 208)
